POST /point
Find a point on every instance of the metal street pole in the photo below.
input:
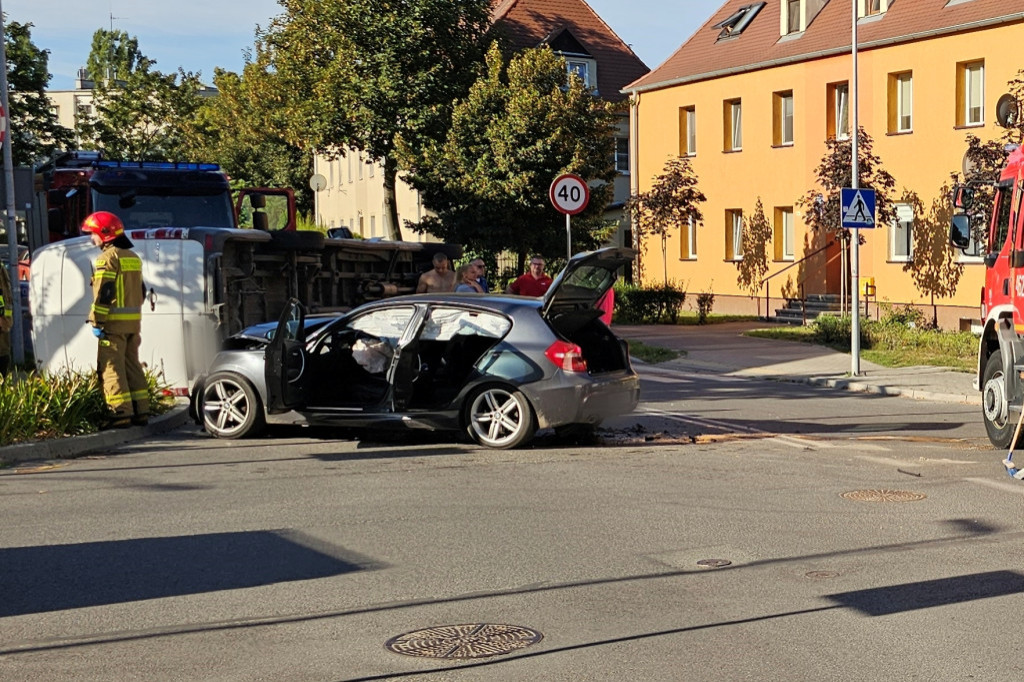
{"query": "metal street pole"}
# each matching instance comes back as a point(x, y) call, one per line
point(17, 345)
point(855, 246)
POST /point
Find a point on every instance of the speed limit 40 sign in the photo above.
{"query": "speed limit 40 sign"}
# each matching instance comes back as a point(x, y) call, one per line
point(569, 193)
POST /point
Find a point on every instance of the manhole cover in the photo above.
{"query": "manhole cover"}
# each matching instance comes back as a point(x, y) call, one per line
point(477, 640)
point(821, 575)
point(883, 496)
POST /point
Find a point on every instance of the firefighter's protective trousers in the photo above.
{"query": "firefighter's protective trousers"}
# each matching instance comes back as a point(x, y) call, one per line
point(117, 295)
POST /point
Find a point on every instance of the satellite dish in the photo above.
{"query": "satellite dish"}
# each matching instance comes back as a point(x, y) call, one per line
point(317, 182)
point(968, 165)
point(1007, 111)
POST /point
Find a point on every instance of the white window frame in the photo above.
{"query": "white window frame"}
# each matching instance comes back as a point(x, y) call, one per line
point(974, 93)
point(901, 234)
point(691, 238)
point(736, 230)
point(622, 155)
point(735, 123)
point(905, 102)
point(842, 110)
point(691, 131)
point(787, 229)
point(785, 122)
point(585, 68)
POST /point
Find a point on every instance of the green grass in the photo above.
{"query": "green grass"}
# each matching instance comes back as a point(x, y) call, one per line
point(652, 354)
point(893, 346)
point(39, 406)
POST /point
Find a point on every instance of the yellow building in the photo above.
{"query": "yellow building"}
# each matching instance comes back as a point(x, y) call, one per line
point(751, 99)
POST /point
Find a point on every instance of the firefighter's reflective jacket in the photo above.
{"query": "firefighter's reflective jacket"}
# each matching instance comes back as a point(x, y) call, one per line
point(117, 291)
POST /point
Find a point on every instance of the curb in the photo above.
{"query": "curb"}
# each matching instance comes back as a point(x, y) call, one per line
point(74, 446)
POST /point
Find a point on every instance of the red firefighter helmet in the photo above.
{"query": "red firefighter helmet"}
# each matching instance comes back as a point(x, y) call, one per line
point(107, 225)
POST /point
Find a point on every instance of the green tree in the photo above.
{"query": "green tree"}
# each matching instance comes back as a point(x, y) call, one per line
point(933, 266)
point(671, 203)
point(757, 235)
point(362, 74)
point(35, 130)
point(984, 162)
point(235, 129)
point(138, 111)
point(519, 128)
point(821, 204)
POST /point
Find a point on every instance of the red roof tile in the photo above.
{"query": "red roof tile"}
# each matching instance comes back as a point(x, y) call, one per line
point(529, 23)
point(759, 46)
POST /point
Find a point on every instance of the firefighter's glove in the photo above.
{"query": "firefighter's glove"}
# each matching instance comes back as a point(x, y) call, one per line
point(99, 333)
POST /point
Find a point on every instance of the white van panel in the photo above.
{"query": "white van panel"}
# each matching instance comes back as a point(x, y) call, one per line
point(178, 336)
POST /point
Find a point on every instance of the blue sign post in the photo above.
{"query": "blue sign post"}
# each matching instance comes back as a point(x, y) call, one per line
point(857, 207)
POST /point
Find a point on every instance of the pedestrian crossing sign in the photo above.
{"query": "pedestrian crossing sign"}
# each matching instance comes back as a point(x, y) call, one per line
point(858, 207)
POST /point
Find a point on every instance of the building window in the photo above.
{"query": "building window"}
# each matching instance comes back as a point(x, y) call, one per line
point(580, 69)
point(734, 24)
point(792, 17)
point(782, 118)
point(373, 226)
point(901, 232)
point(970, 93)
point(734, 234)
point(688, 131)
point(622, 155)
point(901, 102)
point(688, 247)
point(733, 125)
point(871, 8)
point(783, 237)
point(359, 164)
point(838, 123)
point(348, 157)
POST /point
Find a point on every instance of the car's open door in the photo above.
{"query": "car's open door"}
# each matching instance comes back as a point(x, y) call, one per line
point(285, 361)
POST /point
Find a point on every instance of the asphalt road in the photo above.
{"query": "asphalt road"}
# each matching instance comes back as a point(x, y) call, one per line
point(856, 537)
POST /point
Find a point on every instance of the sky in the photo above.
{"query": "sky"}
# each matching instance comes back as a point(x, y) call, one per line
point(198, 35)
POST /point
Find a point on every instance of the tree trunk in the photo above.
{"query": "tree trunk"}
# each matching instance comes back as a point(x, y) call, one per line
point(391, 225)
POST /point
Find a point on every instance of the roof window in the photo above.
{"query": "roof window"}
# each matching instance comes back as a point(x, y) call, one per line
point(734, 24)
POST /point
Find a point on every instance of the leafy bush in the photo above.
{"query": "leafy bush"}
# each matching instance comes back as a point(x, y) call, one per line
point(638, 305)
point(40, 405)
point(893, 333)
point(705, 301)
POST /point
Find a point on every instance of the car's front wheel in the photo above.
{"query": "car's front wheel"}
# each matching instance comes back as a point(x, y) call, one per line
point(499, 417)
point(230, 407)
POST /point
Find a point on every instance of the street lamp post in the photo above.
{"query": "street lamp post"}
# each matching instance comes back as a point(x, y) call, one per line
point(17, 346)
point(855, 242)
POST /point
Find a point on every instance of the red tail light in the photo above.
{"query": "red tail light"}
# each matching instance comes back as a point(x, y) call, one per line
point(567, 356)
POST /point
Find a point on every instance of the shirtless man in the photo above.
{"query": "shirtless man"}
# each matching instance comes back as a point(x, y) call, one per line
point(440, 279)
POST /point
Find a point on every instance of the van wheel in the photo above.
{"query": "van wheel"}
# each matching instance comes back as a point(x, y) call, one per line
point(499, 418)
point(230, 407)
point(994, 403)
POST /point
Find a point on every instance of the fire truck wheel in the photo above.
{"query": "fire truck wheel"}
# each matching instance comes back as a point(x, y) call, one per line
point(998, 422)
point(231, 407)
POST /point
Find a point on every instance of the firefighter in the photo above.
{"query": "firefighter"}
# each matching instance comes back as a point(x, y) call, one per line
point(116, 319)
point(6, 319)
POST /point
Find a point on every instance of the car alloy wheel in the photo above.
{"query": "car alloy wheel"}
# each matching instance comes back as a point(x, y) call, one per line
point(500, 418)
point(230, 407)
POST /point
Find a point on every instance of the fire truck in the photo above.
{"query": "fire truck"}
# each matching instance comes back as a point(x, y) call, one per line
point(207, 276)
point(1001, 350)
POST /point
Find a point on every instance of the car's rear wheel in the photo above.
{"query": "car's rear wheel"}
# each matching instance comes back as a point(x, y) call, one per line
point(500, 417)
point(230, 407)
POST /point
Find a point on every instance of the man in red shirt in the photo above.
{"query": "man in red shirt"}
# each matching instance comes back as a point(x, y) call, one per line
point(533, 283)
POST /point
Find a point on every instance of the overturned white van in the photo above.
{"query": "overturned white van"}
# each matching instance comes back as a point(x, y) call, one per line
point(204, 284)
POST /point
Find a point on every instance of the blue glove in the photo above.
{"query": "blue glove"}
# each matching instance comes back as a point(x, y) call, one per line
point(99, 333)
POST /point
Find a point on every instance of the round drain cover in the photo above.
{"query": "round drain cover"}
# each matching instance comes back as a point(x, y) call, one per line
point(883, 496)
point(713, 563)
point(477, 640)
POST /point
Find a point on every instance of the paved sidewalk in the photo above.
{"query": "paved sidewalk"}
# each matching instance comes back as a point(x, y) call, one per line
point(60, 448)
point(723, 349)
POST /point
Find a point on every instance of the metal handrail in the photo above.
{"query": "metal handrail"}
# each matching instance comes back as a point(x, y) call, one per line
point(803, 300)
